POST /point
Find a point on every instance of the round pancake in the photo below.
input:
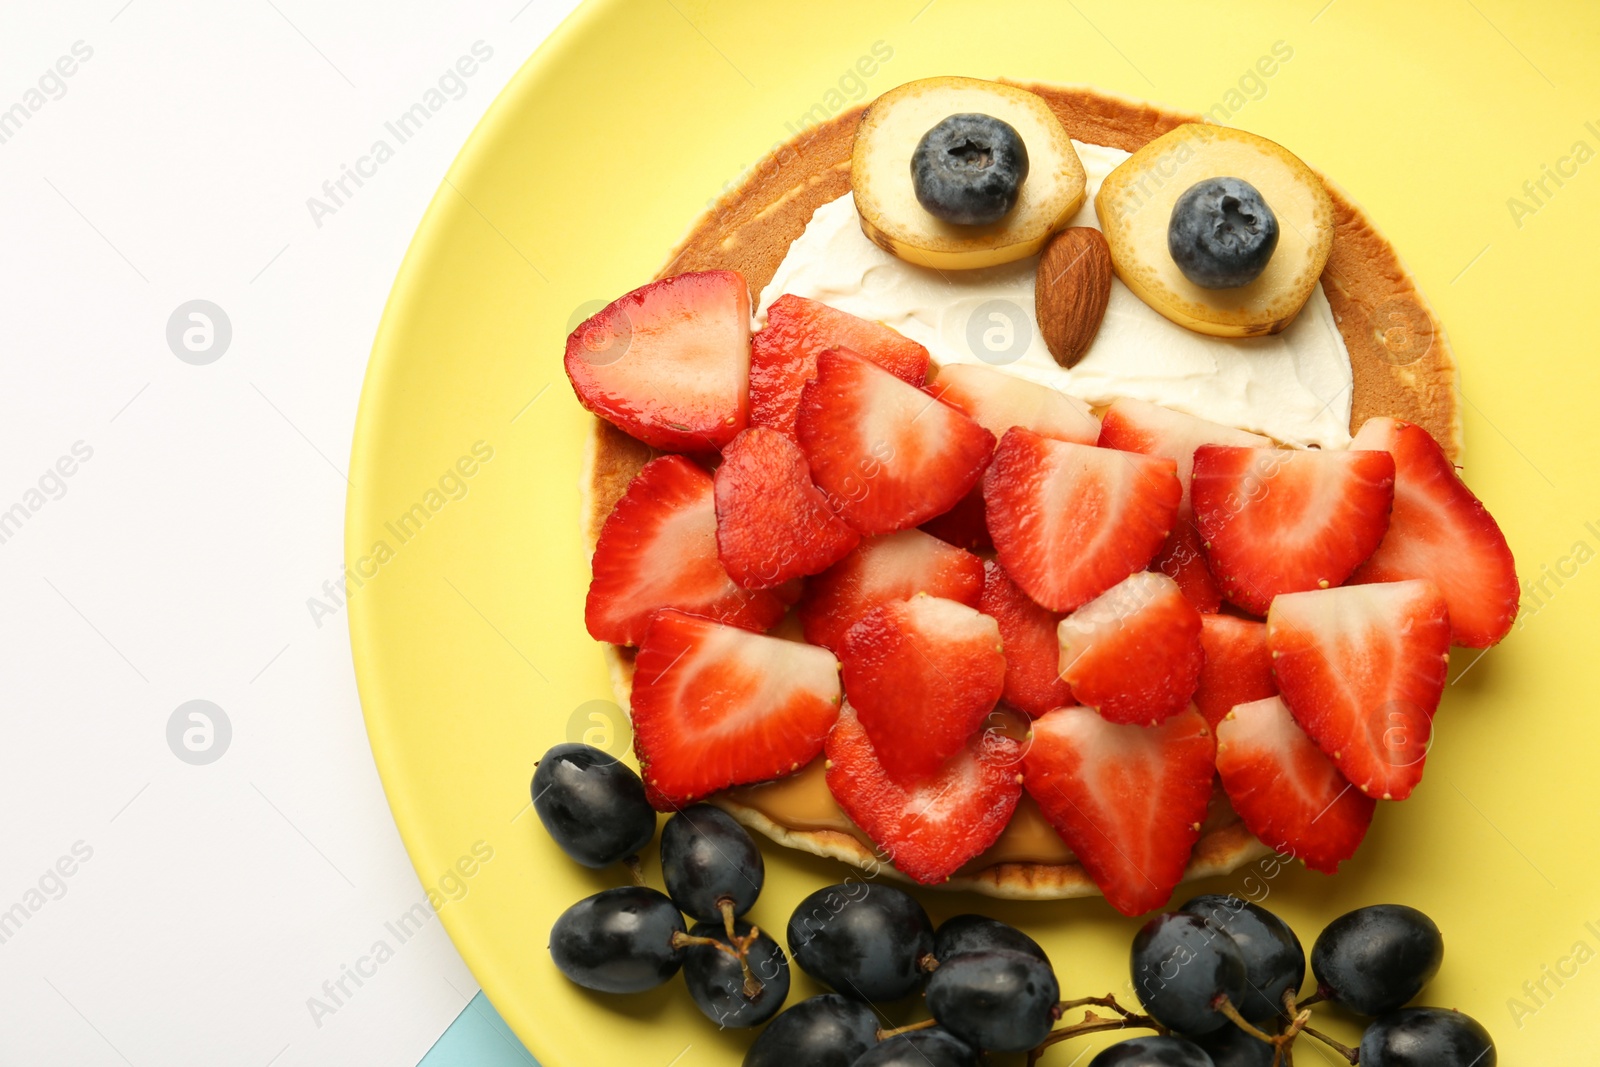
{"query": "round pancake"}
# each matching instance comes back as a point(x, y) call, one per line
point(1400, 361)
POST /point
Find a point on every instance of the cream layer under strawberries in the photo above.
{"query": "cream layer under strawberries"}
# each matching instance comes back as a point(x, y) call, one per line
point(1294, 386)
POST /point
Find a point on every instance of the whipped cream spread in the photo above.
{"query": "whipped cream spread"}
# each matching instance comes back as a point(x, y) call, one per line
point(1293, 386)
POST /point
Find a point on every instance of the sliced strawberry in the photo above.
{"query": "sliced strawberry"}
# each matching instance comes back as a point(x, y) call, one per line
point(922, 674)
point(1128, 800)
point(1133, 653)
point(1362, 668)
point(929, 830)
point(997, 401)
point(1284, 521)
point(1238, 665)
point(772, 523)
point(882, 569)
point(1070, 521)
point(965, 525)
point(1140, 426)
point(658, 549)
point(783, 355)
point(1441, 532)
point(715, 706)
point(1028, 636)
point(669, 362)
point(1288, 793)
point(888, 455)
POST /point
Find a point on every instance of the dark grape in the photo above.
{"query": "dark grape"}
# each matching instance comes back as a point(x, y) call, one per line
point(619, 940)
point(592, 804)
point(864, 941)
point(1427, 1037)
point(997, 999)
point(921, 1048)
point(1183, 965)
point(974, 933)
point(717, 981)
point(1153, 1052)
point(707, 857)
point(824, 1031)
point(1274, 962)
point(1229, 1046)
point(1375, 959)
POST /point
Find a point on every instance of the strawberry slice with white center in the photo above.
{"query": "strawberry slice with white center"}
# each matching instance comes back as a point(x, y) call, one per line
point(1028, 637)
point(931, 829)
point(716, 706)
point(1150, 429)
point(1237, 668)
point(772, 523)
point(1288, 793)
point(1440, 531)
point(881, 569)
point(1128, 800)
point(1070, 521)
point(658, 549)
point(922, 675)
point(1133, 653)
point(669, 363)
point(1362, 668)
point(1285, 521)
point(888, 455)
point(783, 355)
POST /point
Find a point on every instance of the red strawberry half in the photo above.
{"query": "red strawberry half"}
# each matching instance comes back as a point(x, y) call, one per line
point(669, 362)
point(888, 455)
point(783, 355)
point(922, 674)
point(1032, 650)
point(715, 706)
point(1133, 653)
point(1070, 521)
point(1128, 800)
point(658, 549)
point(1284, 521)
point(1441, 532)
point(881, 569)
point(1139, 426)
point(1237, 668)
point(1288, 793)
point(929, 830)
point(772, 523)
point(1362, 668)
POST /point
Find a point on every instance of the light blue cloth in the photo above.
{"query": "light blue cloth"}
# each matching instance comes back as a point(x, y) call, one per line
point(478, 1038)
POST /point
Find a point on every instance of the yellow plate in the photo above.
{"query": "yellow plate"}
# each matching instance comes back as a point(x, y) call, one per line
point(467, 621)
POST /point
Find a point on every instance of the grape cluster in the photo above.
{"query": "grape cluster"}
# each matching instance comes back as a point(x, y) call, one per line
point(1219, 979)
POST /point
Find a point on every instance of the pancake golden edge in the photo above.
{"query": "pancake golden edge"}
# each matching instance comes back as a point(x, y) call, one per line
point(1400, 360)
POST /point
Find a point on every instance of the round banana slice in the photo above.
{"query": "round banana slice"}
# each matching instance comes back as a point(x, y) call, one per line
point(880, 174)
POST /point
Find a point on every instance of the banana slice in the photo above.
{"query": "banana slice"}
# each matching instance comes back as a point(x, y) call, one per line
point(1134, 206)
point(880, 174)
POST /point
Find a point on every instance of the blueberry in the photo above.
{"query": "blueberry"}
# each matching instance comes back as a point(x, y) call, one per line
point(1274, 962)
point(973, 933)
point(968, 170)
point(824, 1031)
point(716, 981)
point(1183, 965)
point(618, 941)
point(1152, 1052)
point(1372, 960)
point(1222, 233)
point(996, 999)
point(1427, 1037)
point(933, 1047)
point(866, 941)
point(707, 857)
point(592, 805)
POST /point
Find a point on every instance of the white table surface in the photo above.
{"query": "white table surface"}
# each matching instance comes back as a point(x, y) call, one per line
point(207, 903)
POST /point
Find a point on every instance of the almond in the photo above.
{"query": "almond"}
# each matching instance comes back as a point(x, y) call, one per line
point(1071, 291)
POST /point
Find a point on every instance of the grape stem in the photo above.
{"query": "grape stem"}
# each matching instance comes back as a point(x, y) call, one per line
point(635, 868)
point(884, 1035)
point(737, 947)
point(1338, 1046)
point(1092, 1023)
